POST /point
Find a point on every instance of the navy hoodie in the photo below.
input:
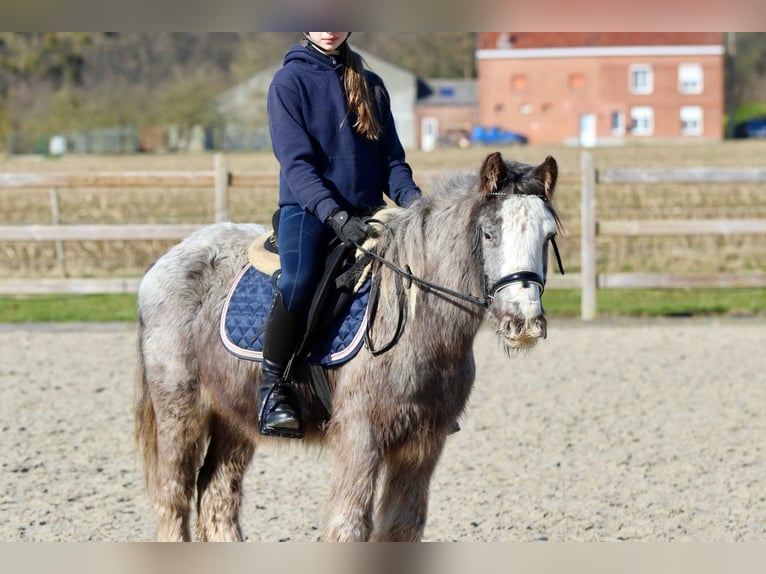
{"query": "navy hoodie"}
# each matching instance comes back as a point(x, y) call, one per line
point(324, 163)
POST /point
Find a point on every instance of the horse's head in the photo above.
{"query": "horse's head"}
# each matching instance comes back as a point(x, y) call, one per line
point(515, 225)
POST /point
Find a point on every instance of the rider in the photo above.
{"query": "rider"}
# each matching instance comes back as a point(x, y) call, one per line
point(334, 136)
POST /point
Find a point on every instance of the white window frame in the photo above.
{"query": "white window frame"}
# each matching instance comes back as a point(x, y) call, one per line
point(619, 129)
point(642, 120)
point(691, 78)
point(691, 120)
point(643, 88)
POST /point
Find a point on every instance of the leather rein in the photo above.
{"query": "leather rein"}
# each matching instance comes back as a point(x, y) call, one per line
point(488, 293)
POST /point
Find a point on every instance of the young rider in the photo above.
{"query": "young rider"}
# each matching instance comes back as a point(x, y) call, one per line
point(334, 136)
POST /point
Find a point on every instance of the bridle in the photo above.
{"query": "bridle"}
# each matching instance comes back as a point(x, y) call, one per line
point(526, 278)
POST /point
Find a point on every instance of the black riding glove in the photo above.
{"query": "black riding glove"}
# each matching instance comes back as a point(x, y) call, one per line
point(350, 229)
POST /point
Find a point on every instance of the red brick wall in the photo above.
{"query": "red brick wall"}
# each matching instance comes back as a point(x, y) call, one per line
point(553, 109)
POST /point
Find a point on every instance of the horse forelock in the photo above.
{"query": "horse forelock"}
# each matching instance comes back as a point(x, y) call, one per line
point(539, 181)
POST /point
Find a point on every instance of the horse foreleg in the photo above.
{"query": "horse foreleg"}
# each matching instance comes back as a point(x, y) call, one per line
point(219, 484)
point(352, 480)
point(403, 507)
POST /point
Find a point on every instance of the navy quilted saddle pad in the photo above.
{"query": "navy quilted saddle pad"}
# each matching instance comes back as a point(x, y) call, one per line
point(247, 306)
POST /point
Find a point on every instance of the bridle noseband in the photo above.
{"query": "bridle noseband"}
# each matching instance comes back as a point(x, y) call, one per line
point(524, 277)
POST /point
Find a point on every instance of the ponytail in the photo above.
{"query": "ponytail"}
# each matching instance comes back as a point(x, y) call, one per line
point(361, 105)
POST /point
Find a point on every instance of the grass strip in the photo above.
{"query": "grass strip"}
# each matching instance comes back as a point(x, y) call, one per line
point(558, 303)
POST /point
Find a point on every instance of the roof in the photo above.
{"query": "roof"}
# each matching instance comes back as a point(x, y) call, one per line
point(527, 40)
point(448, 92)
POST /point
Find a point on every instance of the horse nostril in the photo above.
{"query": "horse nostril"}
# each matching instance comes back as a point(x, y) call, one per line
point(543, 323)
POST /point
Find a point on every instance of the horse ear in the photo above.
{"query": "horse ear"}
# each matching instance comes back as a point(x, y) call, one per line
point(547, 173)
point(493, 174)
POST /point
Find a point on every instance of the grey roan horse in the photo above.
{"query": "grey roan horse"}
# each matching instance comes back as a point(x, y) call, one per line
point(482, 234)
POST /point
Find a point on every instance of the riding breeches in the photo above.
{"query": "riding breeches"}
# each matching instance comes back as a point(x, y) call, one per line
point(303, 241)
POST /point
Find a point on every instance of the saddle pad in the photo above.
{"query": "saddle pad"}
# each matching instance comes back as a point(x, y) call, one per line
point(247, 307)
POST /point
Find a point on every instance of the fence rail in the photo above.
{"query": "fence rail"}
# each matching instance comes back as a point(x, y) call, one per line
point(592, 227)
point(219, 179)
point(129, 232)
point(683, 175)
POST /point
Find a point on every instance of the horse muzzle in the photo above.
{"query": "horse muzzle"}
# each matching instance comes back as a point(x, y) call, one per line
point(517, 333)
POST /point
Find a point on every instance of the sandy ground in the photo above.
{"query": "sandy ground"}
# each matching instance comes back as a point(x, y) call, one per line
point(615, 430)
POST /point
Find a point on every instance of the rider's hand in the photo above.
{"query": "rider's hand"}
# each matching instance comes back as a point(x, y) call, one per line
point(350, 229)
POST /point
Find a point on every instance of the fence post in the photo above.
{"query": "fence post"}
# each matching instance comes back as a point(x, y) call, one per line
point(56, 220)
point(221, 188)
point(588, 237)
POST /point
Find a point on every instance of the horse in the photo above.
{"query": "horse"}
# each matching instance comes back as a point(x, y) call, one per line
point(473, 248)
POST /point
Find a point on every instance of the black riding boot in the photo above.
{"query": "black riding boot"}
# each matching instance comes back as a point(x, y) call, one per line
point(279, 412)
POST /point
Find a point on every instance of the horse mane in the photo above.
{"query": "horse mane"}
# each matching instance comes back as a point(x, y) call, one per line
point(434, 239)
point(441, 213)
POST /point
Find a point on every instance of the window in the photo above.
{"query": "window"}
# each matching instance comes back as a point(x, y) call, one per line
point(690, 79)
point(640, 79)
point(519, 82)
point(504, 41)
point(691, 120)
point(642, 121)
point(576, 82)
point(618, 123)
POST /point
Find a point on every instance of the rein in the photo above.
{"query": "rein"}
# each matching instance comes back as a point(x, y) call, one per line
point(406, 272)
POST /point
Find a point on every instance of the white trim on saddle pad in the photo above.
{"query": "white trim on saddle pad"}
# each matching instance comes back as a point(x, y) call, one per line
point(334, 358)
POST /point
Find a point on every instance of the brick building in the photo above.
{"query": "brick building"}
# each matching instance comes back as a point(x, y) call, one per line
point(602, 87)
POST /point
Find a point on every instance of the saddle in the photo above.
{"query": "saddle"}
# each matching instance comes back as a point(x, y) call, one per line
point(336, 322)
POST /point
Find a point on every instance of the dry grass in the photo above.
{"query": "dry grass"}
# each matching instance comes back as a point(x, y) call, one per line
point(680, 254)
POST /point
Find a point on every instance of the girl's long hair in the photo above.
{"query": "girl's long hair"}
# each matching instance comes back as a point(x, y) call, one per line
point(361, 104)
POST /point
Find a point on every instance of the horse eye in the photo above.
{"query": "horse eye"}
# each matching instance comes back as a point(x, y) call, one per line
point(487, 235)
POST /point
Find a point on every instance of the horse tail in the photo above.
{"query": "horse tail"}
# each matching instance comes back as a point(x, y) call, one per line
point(145, 417)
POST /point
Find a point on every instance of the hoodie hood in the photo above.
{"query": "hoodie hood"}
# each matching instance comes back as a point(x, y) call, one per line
point(312, 58)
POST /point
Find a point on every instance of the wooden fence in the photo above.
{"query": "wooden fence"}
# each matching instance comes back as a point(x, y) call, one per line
point(220, 179)
point(591, 227)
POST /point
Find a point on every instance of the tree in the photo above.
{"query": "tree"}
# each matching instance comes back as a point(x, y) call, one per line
point(57, 57)
point(186, 103)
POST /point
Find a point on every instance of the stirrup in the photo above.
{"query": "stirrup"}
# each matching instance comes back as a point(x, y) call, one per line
point(281, 432)
point(270, 429)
